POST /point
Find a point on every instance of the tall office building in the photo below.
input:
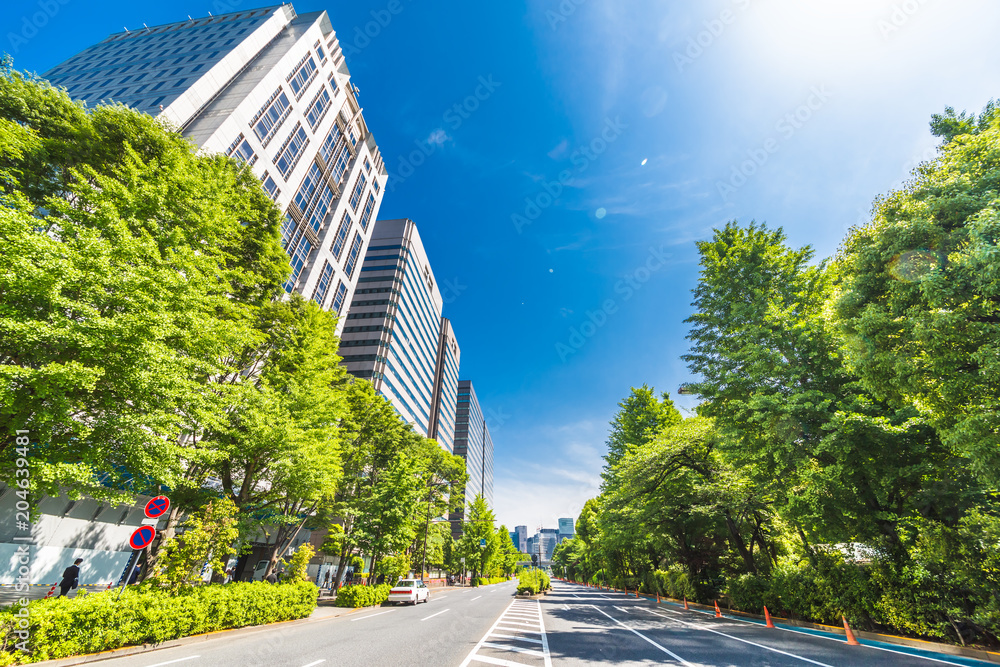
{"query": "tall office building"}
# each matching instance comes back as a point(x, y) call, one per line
point(394, 334)
point(270, 88)
point(566, 529)
point(474, 444)
point(522, 538)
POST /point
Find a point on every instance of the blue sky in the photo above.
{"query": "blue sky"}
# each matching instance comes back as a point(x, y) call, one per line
point(594, 143)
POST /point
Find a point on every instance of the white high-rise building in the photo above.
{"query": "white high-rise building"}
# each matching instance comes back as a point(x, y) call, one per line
point(271, 88)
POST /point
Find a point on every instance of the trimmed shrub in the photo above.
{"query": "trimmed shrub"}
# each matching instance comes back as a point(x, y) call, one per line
point(533, 582)
point(93, 622)
point(362, 596)
point(486, 581)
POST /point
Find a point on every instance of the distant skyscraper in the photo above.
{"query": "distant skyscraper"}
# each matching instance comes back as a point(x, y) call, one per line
point(473, 442)
point(394, 334)
point(565, 529)
point(522, 538)
point(270, 88)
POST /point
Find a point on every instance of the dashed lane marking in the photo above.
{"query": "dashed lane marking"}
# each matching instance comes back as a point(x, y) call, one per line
point(361, 618)
point(639, 634)
point(170, 662)
point(745, 641)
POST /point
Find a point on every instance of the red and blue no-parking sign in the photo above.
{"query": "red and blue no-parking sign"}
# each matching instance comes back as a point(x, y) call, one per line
point(157, 507)
point(141, 537)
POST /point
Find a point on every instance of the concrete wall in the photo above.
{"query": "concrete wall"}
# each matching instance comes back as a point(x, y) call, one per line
point(64, 530)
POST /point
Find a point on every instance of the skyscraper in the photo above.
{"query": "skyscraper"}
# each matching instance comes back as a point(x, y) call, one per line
point(472, 442)
point(522, 538)
point(270, 88)
point(394, 334)
point(566, 529)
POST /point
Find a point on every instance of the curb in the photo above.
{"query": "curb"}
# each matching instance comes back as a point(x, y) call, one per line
point(948, 649)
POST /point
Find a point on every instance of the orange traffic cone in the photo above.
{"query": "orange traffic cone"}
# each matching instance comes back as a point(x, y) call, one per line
point(657, 597)
point(51, 591)
point(718, 612)
point(767, 618)
point(686, 603)
point(637, 592)
point(851, 639)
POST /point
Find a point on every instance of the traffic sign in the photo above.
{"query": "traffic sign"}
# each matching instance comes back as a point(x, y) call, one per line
point(482, 542)
point(141, 537)
point(157, 507)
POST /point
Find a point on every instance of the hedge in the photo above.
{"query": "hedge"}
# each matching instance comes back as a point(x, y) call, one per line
point(533, 581)
point(93, 622)
point(486, 581)
point(357, 595)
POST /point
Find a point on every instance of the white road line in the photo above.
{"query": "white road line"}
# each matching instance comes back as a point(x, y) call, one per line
point(516, 649)
point(440, 597)
point(636, 632)
point(433, 615)
point(476, 598)
point(533, 625)
point(313, 664)
point(472, 654)
point(745, 641)
point(497, 661)
point(520, 639)
point(371, 615)
point(170, 662)
point(534, 632)
point(567, 607)
point(837, 639)
point(620, 609)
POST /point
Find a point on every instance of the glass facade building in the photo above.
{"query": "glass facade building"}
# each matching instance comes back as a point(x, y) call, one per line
point(474, 444)
point(394, 335)
point(270, 88)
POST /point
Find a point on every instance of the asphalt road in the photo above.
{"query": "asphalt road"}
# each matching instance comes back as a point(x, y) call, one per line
point(574, 625)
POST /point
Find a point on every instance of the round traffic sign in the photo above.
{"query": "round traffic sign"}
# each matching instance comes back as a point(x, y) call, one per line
point(157, 507)
point(141, 537)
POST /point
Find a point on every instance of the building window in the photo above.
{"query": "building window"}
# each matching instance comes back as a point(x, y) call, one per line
point(292, 150)
point(318, 107)
point(338, 300)
point(323, 285)
point(298, 254)
point(359, 189)
point(287, 229)
point(241, 150)
point(341, 238)
point(270, 186)
point(352, 257)
point(303, 75)
point(320, 208)
point(367, 215)
point(368, 166)
point(378, 188)
point(271, 116)
point(308, 187)
point(320, 52)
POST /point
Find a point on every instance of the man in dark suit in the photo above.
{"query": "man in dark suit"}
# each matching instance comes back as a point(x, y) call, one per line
point(71, 578)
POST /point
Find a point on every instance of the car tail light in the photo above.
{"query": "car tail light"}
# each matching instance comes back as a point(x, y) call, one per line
point(400, 591)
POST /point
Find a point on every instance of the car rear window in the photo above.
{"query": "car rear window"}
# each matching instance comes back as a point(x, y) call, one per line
point(405, 583)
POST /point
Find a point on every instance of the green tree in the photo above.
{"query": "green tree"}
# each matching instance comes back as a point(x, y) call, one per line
point(640, 416)
point(920, 303)
point(207, 542)
point(479, 543)
point(130, 267)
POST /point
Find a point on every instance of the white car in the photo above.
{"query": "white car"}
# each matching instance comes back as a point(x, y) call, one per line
point(410, 590)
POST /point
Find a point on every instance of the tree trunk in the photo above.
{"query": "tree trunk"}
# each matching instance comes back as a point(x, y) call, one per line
point(737, 541)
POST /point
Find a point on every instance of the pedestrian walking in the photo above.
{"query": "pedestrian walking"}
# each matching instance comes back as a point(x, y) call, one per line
point(71, 578)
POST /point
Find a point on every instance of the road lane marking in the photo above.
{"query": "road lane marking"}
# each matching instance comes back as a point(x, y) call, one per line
point(313, 664)
point(497, 661)
point(534, 632)
point(567, 607)
point(440, 597)
point(625, 611)
point(636, 632)
point(745, 641)
point(475, 598)
point(516, 649)
point(520, 639)
point(433, 615)
point(371, 615)
point(170, 662)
